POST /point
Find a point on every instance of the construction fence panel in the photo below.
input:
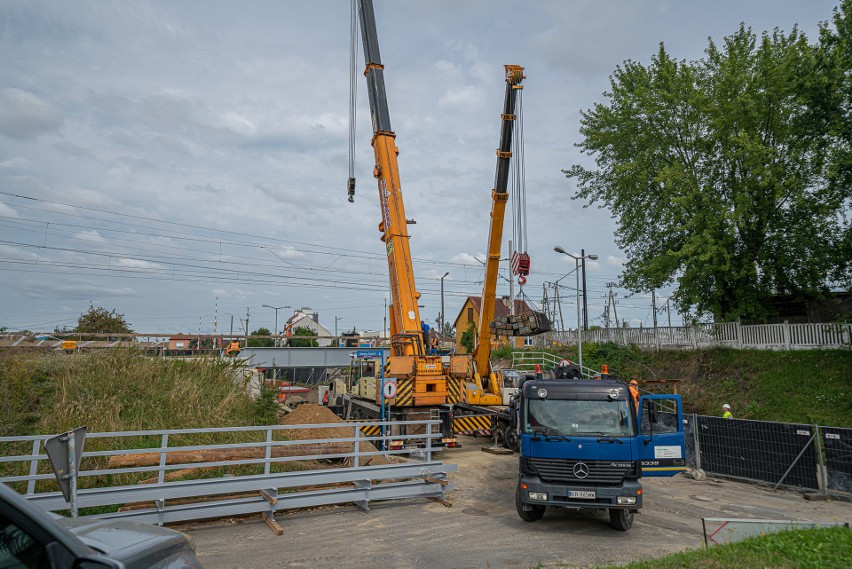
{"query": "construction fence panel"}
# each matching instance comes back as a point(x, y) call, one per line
point(689, 431)
point(837, 445)
point(777, 453)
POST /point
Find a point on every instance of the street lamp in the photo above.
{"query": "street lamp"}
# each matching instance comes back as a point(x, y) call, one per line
point(336, 318)
point(577, 260)
point(276, 309)
point(441, 330)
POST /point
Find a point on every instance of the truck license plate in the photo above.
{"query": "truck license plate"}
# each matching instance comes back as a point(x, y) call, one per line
point(584, 494)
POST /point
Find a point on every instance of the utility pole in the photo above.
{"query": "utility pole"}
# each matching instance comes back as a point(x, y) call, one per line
point(654, 308)
point(669, 311)
point(232, 328)
point(441, 324)
point(248, 313)
point(216, 316)
point(385, 321)
point(585, 305)
point(614, 309)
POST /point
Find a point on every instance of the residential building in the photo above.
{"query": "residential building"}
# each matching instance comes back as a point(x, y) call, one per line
point(307, 318)
point(469, 316)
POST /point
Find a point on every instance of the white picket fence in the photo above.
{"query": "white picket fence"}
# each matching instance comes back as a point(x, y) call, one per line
point(732, 334)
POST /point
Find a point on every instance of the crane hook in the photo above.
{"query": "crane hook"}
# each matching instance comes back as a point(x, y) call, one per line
point(350, 189)
point(522, 280)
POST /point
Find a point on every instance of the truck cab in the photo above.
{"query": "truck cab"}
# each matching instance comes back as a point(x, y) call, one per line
point(586, 444)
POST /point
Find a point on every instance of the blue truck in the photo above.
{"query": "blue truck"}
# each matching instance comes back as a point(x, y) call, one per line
point(586, 444)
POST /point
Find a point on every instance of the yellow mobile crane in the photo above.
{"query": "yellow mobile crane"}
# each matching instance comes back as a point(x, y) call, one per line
point(423, 381)
point(486, 396)
point(487, 389)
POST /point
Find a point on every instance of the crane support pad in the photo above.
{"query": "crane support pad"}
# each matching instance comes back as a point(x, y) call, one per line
point(527, 324)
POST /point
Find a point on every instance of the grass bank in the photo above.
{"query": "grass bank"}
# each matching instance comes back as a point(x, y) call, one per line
point(120, 390)
point(806, 386)
point(824, 548)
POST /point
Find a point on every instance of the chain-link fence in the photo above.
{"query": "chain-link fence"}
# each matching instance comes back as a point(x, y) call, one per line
point(782, 454)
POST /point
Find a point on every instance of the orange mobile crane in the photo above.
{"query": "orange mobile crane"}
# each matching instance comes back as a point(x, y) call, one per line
point(424, 382)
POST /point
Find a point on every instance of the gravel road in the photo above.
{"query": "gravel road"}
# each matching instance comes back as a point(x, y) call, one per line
point(482, 530)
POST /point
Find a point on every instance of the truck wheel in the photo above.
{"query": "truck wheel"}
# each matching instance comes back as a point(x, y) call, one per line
point(511, 438)
point(622, 520)
point(532, 515)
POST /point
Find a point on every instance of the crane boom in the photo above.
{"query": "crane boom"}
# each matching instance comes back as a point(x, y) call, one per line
point(499, 195)
point(405, 324)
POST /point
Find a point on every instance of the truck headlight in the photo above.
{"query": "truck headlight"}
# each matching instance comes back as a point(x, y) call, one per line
point(538, 496)
point(626, 500)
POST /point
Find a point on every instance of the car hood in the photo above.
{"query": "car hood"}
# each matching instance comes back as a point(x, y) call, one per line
point(136, 545)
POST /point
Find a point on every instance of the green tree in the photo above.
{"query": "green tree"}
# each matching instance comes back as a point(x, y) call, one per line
point(99, 320)
point(829, 98)
point(468, 338)
point(719, 176)
point(261, 342)
point(297, 342)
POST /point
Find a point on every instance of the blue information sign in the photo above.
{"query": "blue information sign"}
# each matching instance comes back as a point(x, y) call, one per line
point(369, 353)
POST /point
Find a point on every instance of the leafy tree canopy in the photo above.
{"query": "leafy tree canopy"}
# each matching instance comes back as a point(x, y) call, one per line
point(261, 342)
point(99, 320)
point(297, 342)
point(729, 175)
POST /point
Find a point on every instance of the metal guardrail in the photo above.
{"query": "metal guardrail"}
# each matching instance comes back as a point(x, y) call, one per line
point(524, 361)
point(268, 492)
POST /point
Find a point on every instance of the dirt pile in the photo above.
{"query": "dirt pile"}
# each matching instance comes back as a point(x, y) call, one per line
point(311, 414)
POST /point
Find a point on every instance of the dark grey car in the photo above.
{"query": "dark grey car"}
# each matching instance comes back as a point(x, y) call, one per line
point(31, 538)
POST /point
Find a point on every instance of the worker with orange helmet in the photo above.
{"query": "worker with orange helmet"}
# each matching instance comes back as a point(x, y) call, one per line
point(634, 391)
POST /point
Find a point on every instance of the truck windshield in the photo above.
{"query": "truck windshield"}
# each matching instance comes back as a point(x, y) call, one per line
point(572, 417)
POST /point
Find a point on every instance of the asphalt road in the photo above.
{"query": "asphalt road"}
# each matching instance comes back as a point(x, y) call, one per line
point(483, 530)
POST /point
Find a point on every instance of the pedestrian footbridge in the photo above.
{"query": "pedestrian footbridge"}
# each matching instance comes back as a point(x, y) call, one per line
point(301, 357)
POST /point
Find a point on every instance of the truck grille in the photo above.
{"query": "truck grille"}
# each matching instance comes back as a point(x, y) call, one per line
point(560, 471)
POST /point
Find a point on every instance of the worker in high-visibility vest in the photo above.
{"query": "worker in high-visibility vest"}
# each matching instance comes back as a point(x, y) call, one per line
point(634, 391)
point(726, 412)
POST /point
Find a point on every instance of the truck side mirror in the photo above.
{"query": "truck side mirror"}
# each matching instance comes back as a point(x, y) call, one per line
point(652, 412)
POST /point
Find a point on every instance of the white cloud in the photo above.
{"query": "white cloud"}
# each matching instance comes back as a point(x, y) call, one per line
point(468, 259)
point(465, 97)
point(24, 115)
point(91, 236)
point(229, 295)
point(6, 211)
point(615, 261)
point(138, 264)
point(15, 163)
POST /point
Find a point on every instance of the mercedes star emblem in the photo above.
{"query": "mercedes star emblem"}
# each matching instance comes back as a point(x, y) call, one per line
point(581, 470)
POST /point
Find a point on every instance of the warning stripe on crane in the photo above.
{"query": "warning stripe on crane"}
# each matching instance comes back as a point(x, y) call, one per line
point(454, 389)
point(404, 392)
point(371, 430)
point(473, 425)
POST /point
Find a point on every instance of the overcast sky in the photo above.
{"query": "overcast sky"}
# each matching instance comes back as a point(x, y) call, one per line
point(157, 155)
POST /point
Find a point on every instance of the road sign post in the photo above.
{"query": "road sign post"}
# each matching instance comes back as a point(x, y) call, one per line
point(380, 353)
point(65, 452)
